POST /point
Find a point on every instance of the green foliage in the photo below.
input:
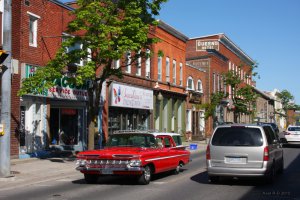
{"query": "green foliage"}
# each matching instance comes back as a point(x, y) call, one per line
point(287, 99)
point(106, 30)
point(210, 108)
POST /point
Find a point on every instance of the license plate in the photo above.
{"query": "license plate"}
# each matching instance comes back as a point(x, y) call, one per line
point(235, 160)
point(106, 171)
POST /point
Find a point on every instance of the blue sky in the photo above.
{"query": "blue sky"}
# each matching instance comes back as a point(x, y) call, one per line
point(266, 30)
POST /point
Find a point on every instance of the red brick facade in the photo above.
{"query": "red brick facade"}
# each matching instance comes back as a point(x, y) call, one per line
point(220, 54)
point(52, 19)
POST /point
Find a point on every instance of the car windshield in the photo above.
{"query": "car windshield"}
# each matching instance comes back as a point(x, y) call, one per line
point(294, 128)
point(131, 140)
point(237, 136)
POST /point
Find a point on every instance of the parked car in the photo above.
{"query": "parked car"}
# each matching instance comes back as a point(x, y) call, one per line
point(176, 137)
point(273, 125)
point(292, 134)
point(241, 150)
point(133, 153)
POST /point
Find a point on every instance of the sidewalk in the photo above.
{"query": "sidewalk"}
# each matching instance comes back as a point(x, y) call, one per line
point(29, 171)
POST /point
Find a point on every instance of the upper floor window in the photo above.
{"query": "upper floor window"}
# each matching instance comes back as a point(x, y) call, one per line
point(139, 65)
point(147, 63)
point(33, 28)
point(167, 69)
point(180, 74)
point(199, 86)
point(76, 46)
point(174, 71)
point(190, 83)
point(128, 62)
point(159, 68)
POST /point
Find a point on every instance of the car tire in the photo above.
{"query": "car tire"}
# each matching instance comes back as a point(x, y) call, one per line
point(178, 169)
point(213, 179)
point(91, 178)
point(145, 178)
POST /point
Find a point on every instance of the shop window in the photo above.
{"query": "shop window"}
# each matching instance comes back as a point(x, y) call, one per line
point(64, 126)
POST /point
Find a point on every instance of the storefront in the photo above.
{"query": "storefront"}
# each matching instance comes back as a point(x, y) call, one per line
point(130, 107)
point(54, 120)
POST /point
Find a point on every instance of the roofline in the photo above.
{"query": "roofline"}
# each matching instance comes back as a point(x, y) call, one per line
point(172, 31)
point(198, 68)
point(194, 38)
point(231, 45)
point(62, 4)
point(264, 94)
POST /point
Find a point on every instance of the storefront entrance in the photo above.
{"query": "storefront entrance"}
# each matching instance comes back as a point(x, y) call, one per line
point(65, 125)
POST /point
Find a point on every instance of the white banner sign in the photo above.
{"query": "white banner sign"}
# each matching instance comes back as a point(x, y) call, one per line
point(130, 97)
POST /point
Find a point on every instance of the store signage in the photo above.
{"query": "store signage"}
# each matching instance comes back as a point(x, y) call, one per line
point(130, 97)
point(202, 45)
point(63, 89)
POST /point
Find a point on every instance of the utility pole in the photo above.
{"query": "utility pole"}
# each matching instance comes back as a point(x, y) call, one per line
point(6, 93)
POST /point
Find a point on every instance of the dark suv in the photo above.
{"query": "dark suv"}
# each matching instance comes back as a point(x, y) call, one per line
point(244, 150)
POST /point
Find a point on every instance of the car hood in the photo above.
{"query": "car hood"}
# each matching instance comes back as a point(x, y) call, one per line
point(117, 152)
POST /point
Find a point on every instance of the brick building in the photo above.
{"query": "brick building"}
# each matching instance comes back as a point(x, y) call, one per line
point(38, 28)
point(217, 54)
point(197, 88)
point(157, 83)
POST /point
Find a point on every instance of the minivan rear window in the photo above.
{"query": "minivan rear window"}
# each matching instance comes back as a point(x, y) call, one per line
point(237, 136)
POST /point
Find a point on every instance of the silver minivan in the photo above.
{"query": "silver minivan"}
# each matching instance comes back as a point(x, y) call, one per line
point(244, 150)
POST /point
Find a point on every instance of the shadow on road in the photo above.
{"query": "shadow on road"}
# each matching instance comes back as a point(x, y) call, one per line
point(124, 180)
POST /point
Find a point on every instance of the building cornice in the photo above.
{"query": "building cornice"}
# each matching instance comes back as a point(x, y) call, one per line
point(172, 31)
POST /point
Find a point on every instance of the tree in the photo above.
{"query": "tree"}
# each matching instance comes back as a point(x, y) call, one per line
point(286, 99)
point(243, 96)
point(106, 30)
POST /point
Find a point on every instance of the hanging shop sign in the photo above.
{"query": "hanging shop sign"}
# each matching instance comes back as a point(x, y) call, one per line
point(130, 97)
point(63, 89)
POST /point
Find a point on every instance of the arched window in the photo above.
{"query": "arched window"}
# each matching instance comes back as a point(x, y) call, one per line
point(199, 86)
point(190, 83)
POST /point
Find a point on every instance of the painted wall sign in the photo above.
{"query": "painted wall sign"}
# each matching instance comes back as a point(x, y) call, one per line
point(202, 45)
point(130, 97)
point(64, 88)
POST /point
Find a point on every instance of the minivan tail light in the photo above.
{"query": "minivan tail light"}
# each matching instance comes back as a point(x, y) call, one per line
point(266, 154)
point(207, 152)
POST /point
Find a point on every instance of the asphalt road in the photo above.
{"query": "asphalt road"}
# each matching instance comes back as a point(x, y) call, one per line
point(190, 184)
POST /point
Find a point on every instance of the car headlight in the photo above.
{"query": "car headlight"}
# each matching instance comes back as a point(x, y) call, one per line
point(80, 162)
point(135, 163)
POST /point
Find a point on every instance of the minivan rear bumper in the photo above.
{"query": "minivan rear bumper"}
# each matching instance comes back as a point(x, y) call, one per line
point(238, 172)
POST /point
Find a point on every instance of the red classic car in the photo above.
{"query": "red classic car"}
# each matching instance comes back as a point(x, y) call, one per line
point(134, 153)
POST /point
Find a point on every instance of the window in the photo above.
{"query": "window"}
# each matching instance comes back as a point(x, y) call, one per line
point(199, 86)
point(139, 65)
point(159, 68)
point(116, 64)
point(148, 64)
point(128, 63)
point(181, 74)
point(76, 46)
point(167, 69)
point(174, 72)
point(190, 83)
point(33, 19)
point(214, 83)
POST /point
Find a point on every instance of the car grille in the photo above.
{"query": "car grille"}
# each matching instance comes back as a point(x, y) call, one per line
point(104, 164)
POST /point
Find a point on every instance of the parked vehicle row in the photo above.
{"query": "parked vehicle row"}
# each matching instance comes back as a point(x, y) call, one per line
point(234, 150)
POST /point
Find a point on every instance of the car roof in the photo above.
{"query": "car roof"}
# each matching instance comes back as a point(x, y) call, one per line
point(242, 125)
point(150, 132)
